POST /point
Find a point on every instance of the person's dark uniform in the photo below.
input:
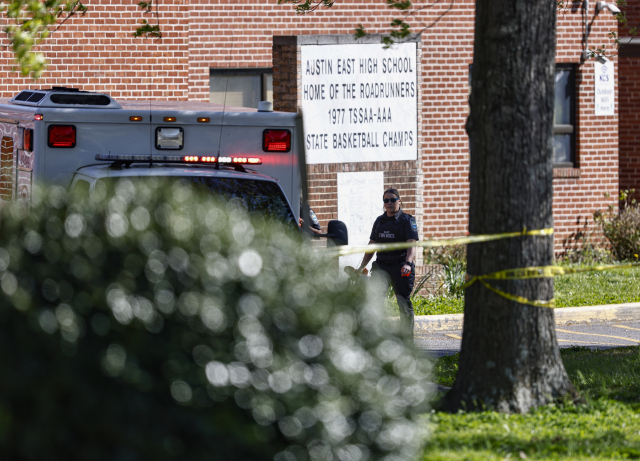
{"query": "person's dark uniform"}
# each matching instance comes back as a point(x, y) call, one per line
point(398, 228)
point(314, 220)
point(315, 224)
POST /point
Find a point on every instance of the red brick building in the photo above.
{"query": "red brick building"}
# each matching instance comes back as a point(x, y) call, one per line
point(628, 96)
point(205, 39)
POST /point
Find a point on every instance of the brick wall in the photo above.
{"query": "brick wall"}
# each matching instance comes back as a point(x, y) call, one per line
point(97, 52)
point(629, 82)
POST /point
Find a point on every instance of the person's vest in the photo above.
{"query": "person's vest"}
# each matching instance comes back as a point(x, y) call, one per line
point(390, 230)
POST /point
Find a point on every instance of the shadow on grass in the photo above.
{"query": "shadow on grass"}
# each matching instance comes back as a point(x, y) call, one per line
point(607, 426)
point(609, 444)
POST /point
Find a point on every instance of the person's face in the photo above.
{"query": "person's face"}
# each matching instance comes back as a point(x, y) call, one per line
point(391, 207)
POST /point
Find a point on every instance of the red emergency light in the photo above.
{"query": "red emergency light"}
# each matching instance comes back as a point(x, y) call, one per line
point(223, 160)
point(276, 140)
point(128, 158)
point(247, 160)
point(27, 139)
point(196, 159)
point(62, 136)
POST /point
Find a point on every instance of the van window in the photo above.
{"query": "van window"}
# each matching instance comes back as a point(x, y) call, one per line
point(81, 189)
point(264, 197)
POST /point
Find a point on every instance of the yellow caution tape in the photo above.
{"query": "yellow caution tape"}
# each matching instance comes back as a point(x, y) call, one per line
point(509, 274)
point(551, 271)
point(534, 273)
point(381, 247)
point(518, 299)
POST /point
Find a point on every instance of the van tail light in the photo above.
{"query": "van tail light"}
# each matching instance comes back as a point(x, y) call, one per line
point(61, 136)
point(276, 140)
point(27, 140)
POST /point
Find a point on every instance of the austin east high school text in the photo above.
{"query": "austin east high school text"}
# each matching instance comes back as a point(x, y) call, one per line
point(355, 116)
point(366, 66)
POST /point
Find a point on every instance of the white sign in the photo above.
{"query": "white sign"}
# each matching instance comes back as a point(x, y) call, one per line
point(360, 102)
point(605, 89)
point(359, 204)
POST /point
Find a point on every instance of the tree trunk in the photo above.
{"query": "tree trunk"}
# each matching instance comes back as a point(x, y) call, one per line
point(510, 359)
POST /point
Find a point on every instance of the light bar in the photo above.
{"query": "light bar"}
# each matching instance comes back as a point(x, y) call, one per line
point(196, 159)
point(178, 159)
point(250, 160)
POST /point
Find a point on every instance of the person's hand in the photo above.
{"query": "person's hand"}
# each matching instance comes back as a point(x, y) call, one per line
point(352, 272)
point(406, 270)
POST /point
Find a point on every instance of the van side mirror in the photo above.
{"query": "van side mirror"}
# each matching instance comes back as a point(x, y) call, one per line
point(337, 231)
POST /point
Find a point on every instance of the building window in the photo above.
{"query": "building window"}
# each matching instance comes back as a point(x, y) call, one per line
point(240, 87)
point(564, 136)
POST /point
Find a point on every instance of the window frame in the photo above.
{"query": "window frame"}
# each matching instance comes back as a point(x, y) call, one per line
point(571, 128)
point(257, 71)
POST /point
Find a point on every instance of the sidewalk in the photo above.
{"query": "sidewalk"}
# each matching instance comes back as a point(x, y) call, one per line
point(586, 315)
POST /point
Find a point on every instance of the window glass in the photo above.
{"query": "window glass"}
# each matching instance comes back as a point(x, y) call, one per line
point(563, 97)
point(564, 118)
point(562, 148)
point(246, 88)
point(81, 189)
point(241, 90)
point(263, 197)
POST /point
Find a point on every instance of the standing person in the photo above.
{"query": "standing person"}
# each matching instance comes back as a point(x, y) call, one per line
point(315, 224)
point(395, 226)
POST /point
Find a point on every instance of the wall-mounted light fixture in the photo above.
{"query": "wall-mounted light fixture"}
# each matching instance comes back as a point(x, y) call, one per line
point(601, 5)
point(612, 7)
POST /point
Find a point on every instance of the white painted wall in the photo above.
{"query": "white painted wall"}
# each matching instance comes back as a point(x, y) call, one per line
point(359, 204)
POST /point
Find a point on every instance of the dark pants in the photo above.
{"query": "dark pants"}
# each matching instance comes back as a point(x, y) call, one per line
point(402, 287)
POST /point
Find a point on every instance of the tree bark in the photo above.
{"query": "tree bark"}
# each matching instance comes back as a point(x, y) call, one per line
point(510, 359)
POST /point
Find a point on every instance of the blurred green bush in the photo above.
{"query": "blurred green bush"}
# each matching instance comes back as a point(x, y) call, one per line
point(453, 259)
point(621, 227)
point(154, 323)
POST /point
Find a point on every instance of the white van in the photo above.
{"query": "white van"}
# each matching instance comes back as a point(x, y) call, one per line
point(64, 136)
point(47, 135)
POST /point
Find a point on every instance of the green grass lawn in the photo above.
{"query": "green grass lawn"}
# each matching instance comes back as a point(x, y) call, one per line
point(584, 289)
point(607, 426)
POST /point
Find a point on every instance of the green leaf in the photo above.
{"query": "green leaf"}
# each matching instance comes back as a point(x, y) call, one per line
point(29, 23)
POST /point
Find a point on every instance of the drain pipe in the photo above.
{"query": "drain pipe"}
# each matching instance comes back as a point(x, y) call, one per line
point(585, 15)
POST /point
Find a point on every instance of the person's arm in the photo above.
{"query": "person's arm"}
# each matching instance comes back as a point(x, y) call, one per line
point(411, 253)
point(367, 257)
point(315, 229)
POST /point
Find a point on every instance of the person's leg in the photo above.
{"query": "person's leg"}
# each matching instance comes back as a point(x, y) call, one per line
point(380, 275)
point(403, 286)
